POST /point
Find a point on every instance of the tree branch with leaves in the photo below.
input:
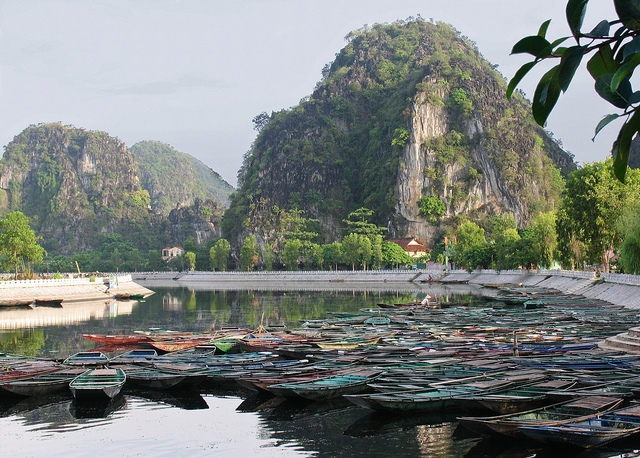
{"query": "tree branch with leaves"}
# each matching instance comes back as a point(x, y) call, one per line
point(613, 48)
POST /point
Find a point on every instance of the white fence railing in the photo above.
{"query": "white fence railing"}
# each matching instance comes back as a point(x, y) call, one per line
point(61, 282)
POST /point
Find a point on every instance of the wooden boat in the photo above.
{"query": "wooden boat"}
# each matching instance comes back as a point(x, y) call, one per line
point(429, 400)
point(226, 344)
point(87, 358)
point(117, 339)
point(16, 369)
point(122, 296)
point(136, 356)
point(329, 387)
point(178, 344)
point(98, 383)
point(42, 385)
point(15, 303)
point(508, 425)
point(519, 399)
point(595, 431)
point(158, 379)
point(136, 297)
point(48, 302)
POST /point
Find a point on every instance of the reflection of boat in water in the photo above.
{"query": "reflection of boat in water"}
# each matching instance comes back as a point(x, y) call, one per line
point(260, 401)
point(183, 399)
point(100, 408)
point(14, 405)
point(294, 409)
point(377, 423)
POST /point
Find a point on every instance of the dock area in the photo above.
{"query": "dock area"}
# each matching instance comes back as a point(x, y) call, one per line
point(69, 289)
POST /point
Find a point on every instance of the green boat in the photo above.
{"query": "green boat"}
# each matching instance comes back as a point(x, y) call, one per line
point(330, 387)
point(98, 383)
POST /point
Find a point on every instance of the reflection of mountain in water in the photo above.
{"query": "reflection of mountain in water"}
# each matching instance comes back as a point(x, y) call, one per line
point(70, 313)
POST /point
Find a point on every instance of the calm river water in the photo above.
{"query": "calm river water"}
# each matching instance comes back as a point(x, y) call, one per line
point(217, 423)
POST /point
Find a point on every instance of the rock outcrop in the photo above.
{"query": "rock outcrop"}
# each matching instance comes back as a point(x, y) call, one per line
point(407, 111)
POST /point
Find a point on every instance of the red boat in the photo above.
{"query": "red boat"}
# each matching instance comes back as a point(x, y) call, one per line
point(117, 339)
point(178, 344)
point(18, 370)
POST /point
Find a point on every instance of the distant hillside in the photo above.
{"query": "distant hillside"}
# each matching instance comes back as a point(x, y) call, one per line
point(176, 179)
point(407, 111)
point(79, 186)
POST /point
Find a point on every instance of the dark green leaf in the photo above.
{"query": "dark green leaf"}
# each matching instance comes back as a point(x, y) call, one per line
point(599, 31)
point(619, 98)
point(571, 59)
point(624, 72)
point(559, 51)
point(622, 145)
point(631, 48)
point(606, 120)
point(635, 98)
point(602, 62)
point(542, 32)
point(576, 10)
point(522, 71)
point(534, 45)
point(546, 96)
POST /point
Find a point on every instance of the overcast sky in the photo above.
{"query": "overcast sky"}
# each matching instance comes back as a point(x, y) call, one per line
point(194, 73)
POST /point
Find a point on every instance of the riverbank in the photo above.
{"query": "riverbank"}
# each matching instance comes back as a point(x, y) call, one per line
point(69, 289)
point(618, 289)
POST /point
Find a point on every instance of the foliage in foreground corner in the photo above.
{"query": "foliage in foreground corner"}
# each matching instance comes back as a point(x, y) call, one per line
point(613, 48)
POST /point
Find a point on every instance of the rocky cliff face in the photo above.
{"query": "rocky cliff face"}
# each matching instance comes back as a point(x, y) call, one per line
point(407, 111)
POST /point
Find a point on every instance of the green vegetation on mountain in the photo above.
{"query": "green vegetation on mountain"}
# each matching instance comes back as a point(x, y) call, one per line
point(408, 115)
point(176, 179)
point(83, 197)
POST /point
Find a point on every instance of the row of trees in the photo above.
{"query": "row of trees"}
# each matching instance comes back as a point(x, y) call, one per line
point(596, 223)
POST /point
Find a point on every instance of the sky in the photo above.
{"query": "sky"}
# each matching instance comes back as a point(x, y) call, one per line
point(194, 73)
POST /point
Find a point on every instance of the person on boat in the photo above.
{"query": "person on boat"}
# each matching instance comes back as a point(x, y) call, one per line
point(425, 301)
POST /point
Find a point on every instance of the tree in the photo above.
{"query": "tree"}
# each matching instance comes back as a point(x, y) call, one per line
point(18, 243)
point(317, 256)
point(615, 55)
point(394, 255)
point(190, 259)
point(590, 210)
point(332, 254)
point(376, 248)
point(469, 236)
point(248, 253)
point(358, 223)
point(545, 238)
point(291, 255)
point(219, 255)
point(268, 256)
point(352, 249)
point(431, 207)
point(630, 247)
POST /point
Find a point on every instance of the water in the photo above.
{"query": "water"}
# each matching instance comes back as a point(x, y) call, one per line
point(215, 422)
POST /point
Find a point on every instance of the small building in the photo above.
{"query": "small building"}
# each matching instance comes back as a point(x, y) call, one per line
point(412, 247)
point(169, 253)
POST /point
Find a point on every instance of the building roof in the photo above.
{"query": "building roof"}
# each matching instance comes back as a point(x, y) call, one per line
point(410, 244)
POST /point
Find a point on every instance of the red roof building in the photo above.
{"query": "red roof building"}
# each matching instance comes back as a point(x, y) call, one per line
point(412, 247)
